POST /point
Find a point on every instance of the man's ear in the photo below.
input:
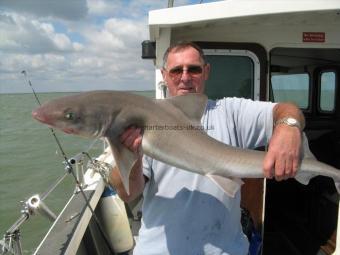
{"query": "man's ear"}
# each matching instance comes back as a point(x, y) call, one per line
point(206, 71)
point(163, 73)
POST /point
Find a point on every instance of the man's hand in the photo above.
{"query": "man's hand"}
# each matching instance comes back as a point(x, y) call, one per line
point(284, 153)
point(132, 139)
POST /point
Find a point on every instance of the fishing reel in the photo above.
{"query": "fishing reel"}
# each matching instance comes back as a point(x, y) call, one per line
point(11, 244)
point(34, 205)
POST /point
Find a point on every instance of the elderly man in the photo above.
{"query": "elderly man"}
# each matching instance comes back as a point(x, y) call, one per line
point(186, 213)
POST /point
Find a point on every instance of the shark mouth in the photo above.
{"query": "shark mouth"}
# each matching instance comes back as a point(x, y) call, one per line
point(69, 131)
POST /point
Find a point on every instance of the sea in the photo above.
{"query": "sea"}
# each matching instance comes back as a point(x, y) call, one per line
point(30, 163)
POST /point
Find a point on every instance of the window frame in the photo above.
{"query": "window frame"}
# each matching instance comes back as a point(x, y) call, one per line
point(241, 53)
point(309, 95)
point(321, 71)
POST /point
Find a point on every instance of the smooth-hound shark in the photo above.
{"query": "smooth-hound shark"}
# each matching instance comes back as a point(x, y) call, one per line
point(171, 134)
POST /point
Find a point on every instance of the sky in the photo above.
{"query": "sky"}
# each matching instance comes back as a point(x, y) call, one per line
point(76, 45)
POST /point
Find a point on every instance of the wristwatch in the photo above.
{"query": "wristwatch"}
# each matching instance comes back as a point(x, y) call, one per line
point(289, 121)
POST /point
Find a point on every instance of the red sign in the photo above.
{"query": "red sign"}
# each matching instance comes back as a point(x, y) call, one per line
point(314, 37)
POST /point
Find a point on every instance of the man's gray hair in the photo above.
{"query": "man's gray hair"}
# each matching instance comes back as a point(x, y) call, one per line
point(181, 46)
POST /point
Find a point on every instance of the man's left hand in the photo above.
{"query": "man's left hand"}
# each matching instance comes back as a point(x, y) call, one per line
point(282, 160)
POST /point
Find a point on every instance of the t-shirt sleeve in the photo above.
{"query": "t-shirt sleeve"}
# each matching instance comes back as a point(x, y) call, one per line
point(253, 121)
point(147, 166)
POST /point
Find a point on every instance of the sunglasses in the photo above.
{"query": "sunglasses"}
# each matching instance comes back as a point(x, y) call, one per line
point(177, 72)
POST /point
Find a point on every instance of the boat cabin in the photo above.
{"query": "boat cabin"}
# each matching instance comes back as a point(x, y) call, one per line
point(275, 51)
point(258, 49)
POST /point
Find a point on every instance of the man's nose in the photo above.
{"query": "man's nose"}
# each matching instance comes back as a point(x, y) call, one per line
point(185, 76)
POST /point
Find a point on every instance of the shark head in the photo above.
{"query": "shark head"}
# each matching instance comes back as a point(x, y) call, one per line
point(73, 115)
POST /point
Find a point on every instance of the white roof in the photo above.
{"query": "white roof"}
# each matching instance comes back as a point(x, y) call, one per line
point(233, 9)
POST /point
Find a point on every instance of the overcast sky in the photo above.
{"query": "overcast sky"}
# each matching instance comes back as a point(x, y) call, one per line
point(75, 45)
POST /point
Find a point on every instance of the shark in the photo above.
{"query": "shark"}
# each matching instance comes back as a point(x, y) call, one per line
point(171, 133)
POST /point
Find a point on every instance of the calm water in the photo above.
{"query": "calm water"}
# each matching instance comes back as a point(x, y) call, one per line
point(30, 163)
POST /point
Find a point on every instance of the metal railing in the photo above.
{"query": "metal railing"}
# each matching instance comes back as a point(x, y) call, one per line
point(11, 242)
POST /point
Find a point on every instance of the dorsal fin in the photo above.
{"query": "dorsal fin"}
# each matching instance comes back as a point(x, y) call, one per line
point(192, 105)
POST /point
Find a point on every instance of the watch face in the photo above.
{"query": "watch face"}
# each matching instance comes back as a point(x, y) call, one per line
point(291, 121)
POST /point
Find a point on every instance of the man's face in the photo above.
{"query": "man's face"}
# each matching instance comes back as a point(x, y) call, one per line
point(185, 72)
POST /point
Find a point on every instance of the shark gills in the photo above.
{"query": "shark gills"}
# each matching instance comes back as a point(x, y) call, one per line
point(171, 133)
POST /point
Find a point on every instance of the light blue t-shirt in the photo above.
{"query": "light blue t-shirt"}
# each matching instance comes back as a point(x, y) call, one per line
point(186, 213)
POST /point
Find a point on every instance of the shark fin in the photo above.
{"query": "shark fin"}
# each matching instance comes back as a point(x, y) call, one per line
point(337, 186)
point(125, 160)
point(229, 185)
point(301, 177)
point(192, 105)
point(304, 178)
point(305, 147)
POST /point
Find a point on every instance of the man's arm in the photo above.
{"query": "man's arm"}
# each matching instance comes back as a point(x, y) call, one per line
point(284, 152)
point(132, 139)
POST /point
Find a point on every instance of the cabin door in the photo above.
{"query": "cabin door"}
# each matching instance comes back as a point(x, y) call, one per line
point(302, 219)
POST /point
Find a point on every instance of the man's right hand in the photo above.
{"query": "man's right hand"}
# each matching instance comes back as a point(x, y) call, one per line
point(132, 138)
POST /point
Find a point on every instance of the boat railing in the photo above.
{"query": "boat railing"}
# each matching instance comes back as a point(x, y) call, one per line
point(35, 205)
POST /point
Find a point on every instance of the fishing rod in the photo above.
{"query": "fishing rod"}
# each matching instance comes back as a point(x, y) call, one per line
point(70, 170)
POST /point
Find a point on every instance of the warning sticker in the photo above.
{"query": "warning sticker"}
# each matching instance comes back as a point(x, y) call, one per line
point(314, 37)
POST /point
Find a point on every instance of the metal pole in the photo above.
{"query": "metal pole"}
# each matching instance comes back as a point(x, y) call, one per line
point(170, 3)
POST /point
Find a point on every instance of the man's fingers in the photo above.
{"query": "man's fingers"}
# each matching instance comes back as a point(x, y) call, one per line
point(288, 168)
point(126, 134)
point(268, 166)
point(129, 141)
point(132, 138)
point(295, 167)
point(137, 143)
point(280, 167)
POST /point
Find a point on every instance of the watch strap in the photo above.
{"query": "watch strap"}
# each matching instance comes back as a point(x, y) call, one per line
point(289, 121)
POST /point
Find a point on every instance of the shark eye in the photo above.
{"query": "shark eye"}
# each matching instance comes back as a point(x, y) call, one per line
point(70, 116)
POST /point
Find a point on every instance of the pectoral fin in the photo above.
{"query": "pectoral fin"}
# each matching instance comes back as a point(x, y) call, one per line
point(125, 160)
point(229, 185)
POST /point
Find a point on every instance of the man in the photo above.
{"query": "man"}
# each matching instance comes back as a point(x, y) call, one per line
point(186, 213)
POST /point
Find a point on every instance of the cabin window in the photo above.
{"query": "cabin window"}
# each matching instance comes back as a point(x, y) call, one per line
point(233, 74)
point(327, 91)
point(291, 88)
